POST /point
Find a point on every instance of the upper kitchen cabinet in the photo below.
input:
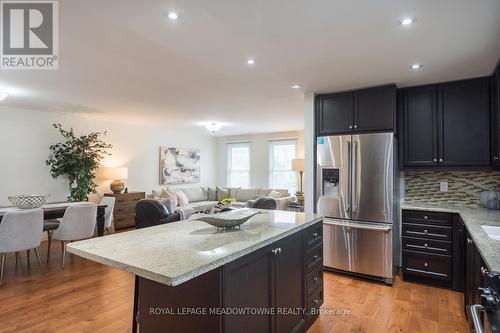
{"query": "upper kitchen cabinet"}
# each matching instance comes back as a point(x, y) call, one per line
point(495, 126)
point(446, 125)
point(366, 110)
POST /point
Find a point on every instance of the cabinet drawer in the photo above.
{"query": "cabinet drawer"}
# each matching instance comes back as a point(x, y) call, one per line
point(314, 302)
point(427, 245)
point(428, 218)
point(124, 221)
point(427, 231)
point(314, 280)
point(127, 199)
point(428, 265)
point(314, 236)
point(314, 258)
point(124, 209)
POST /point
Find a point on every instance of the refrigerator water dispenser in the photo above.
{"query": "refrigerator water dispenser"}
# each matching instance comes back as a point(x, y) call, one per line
point(330, 182)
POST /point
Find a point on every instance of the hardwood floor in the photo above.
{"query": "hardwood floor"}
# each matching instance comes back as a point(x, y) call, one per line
point(89, 297)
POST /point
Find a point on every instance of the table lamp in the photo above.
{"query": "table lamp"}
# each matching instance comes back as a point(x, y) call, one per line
point(117, 175)
point(298, 165)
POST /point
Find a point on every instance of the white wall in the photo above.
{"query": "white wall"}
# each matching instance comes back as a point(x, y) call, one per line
point(259, 154)
point(26, 135)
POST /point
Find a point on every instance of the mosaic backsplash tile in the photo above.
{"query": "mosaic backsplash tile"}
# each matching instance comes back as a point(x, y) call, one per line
point(463, 186)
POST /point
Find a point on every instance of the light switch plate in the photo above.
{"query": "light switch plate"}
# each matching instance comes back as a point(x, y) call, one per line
point(443, 186)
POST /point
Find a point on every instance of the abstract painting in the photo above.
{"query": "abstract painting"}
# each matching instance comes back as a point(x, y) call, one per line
point(179, 166)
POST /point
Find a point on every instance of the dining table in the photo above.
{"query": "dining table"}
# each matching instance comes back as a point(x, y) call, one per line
point(56, 210)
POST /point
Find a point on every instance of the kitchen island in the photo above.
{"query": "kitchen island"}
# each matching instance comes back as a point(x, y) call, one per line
point(266, 276)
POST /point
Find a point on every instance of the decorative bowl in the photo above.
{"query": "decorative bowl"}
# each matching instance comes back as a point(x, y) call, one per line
point(227, 220)
point(28, 201)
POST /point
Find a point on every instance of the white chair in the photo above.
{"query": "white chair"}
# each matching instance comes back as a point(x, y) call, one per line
point(108, 212)
point(77, 223)
point(19, 231)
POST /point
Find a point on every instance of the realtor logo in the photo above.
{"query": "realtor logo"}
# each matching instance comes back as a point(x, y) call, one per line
point(29, 35)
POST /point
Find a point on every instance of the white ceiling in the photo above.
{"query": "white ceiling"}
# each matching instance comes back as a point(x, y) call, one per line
point(125, 58)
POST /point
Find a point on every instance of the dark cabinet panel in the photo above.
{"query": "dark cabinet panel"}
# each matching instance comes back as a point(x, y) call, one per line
point(335, 113)
point(419, 126)
point(464, 123)
point(495, 93)
point(247, 283)
point(475, 276)
point(458, 254)
point(375, 109)
point(289, 284)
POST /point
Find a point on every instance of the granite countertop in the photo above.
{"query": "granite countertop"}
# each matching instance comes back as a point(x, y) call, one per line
point(177, 252)
point(473, 219)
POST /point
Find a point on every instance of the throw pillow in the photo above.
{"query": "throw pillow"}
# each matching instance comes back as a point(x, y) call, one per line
point(182, 198)
point(156, 194)
point(212, 194)
point(274, 194)
point(222, 193)
point(169, 195)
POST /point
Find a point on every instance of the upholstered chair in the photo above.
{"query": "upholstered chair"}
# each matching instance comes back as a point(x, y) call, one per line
point(108, 212)
point(19, 231)
point(77, 223)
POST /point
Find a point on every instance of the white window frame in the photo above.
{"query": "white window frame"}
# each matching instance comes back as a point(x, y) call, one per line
point(271, 145)
point(229, 161)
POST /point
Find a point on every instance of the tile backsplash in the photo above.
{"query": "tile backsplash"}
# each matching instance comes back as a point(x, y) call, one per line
point(463, 186)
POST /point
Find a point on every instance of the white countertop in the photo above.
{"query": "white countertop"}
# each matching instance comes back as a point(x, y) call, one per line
point(473, 219)
point(176, 252)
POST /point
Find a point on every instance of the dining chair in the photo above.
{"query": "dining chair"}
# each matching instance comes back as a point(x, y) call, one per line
point(108, 212)
point(77, 223)
point(19, 231)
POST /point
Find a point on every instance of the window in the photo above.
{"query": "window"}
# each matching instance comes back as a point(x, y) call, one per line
point(238, 165)
point(281, 175)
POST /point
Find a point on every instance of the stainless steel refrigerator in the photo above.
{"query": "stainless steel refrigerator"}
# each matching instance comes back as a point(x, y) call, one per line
point(356, 191)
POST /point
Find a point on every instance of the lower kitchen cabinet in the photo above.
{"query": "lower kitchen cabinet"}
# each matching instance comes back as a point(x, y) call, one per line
point(475, 274)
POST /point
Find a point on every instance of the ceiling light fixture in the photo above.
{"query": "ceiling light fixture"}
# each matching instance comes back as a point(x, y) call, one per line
point(296, 86)
point(213, 127)
point(173, 15)
point(416, 66)
point(3, 95)
point(251, 61)
point(407, 21)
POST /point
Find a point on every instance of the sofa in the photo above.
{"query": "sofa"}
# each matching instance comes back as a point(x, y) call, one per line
point(201, 198)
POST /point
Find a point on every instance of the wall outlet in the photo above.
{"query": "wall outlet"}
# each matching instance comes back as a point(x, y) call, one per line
point(443, 186)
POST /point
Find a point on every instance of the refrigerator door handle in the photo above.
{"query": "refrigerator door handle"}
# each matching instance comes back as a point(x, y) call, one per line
point(349, 174)
point(354, 178)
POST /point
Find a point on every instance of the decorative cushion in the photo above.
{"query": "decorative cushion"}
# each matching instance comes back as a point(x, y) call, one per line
point(245, 194)
point(232, 191)
point(156, 194)
point(212, 193)
point(274, 194)
point(169, 195)
point(195, 194)
point(222, 193)
point(182, 198)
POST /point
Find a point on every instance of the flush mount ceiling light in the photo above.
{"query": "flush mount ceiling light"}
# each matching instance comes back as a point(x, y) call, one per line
point(296, 86)
point(3, 95)
point(416, 66)
point(250, 61)
point(213, 127)
point(406, 21)
point(173, 15)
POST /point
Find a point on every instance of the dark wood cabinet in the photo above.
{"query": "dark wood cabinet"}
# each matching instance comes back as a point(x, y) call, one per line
point(374, 109)
point(420, 126)
point(464, 123)
point(495, 126)
point(335, 113)
point(360, 111)
point(446, 125)
point(458, 254)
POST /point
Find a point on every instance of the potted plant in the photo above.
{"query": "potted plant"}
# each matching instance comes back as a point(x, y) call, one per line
point(78, 158)
point(226, 202)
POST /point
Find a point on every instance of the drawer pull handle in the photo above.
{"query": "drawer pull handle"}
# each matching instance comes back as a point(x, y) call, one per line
point(426, 264)
point(316, 279)
point(426, 272)
point(316, 301)
point(426, 247)
point(426, 231)
point(426, 217)
point(315, 257)
point(315, 235)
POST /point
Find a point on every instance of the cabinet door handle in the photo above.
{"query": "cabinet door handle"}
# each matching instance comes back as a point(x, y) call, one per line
point(316, 301)
point(275, 251)
point(316, 279)
point(495, 158)
point(316, 234)
point(435, 160)
point(355, 126)
point(469, 241)
point(350, 126)
point(441, 160)
point(426, 217)
point(315, 257)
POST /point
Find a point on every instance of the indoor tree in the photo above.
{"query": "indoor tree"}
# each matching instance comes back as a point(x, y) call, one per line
point(78, 157)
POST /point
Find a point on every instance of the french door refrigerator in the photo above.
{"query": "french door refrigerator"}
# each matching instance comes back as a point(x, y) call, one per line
point(356, 182)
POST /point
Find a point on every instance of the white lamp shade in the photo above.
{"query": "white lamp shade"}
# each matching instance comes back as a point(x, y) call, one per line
point(298, 164)
point(118, 173)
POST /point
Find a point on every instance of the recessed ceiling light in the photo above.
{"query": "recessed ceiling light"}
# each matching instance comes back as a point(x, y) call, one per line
point(251, 61)
point(3, 95)
point(407, 21)
point(296, 86)
point(173, 15)
point(416, 66)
